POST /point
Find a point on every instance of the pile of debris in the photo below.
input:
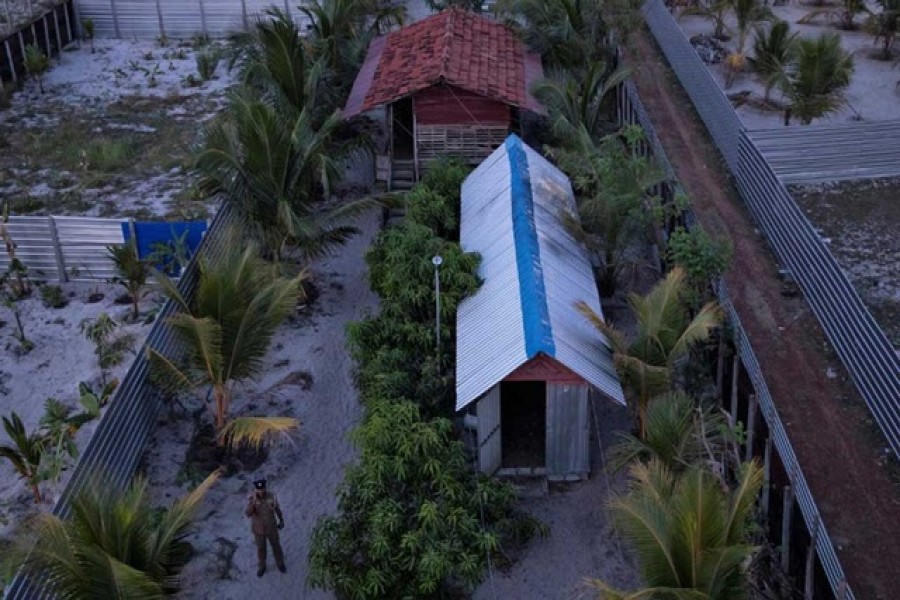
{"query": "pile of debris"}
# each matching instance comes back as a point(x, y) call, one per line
point(710, 50)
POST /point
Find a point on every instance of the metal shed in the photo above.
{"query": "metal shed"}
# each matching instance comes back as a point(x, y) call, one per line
point(526, 358)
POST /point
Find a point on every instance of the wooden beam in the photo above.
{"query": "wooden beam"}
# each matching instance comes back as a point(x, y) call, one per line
point(787, 513)
point(811, 562)
point(751, 427)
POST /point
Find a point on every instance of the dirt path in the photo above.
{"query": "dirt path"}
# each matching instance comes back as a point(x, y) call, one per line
point(307, 375)
point(839, 449)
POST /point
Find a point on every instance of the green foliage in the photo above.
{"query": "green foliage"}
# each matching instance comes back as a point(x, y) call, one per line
point(93, 401)
point(53, 297)
point(815, 79)
point(108, 155)
point(409, 521)
point(115, 545)
point(87, 31)
point(665, 334)
point(612, 182)
point(36, 63)
point(24, 452)
point(690, 533)
point(207, 62)
point(885, 26)
point(772, 50)
point(228, 325)
point(109, 348)
point(703, 259)
point(132, 272)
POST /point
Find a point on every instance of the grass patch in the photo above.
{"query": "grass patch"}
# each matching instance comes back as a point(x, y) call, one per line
point(107, 155)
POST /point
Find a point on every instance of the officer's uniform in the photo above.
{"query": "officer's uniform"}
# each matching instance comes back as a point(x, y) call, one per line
point(265, 520)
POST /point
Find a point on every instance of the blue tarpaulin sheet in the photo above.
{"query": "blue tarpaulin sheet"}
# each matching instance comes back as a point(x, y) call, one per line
point(150, 235)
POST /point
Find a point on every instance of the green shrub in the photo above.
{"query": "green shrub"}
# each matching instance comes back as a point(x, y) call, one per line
point(52, 296)
point(108, 155)
point(702, 258)
point(207, 61)
point(36, 63)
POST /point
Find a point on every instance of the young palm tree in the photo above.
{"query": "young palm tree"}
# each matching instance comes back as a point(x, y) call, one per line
point(25, 452)
point(226, 329)
point(746, 13)
point(664, 336)
point(132, 272)
point(691, 536)
point(36, 63)
point(678, 433)
point(885, 26)
point(715, 11)
point(772, 50)
point(576, 100)
point(275, 171)
point(815, 80)
point(115, 545)
point(845, 14)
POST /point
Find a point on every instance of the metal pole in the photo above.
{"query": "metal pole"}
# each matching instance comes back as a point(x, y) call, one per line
point(203, 18)
point(811, 562)
point(436, 261)
point(787, 512)
point(751, 427)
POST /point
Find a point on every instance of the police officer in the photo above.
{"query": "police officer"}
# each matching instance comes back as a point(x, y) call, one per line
point(265, 520)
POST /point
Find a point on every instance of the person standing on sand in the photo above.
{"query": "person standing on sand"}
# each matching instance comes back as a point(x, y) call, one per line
point(265, 521)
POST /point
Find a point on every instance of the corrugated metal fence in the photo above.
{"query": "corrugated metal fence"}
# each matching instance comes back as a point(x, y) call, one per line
point(631, 110)
point(148, 19)
point(842, 152)
point(857, 338)
point(114, 451)
point(74, 248)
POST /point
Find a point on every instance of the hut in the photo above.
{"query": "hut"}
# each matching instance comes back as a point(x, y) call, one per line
point(452, 84)
point(527, 360)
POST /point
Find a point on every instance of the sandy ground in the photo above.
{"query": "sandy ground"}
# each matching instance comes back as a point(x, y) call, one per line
point(133, 91)
point(61, 358)
point(582, 542)
point(304, 475)
point(872, 95)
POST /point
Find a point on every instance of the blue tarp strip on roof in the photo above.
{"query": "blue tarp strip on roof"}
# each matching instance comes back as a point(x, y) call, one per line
point(535, 314)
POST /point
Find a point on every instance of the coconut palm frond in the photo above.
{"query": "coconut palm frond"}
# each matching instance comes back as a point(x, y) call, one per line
point(615, 337)
point(257, 432)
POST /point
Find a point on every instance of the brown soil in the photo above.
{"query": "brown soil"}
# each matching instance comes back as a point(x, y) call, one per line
point(841, 453)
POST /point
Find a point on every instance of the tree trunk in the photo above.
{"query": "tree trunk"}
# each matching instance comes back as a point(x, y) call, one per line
point(135, 308)
point(38, 497)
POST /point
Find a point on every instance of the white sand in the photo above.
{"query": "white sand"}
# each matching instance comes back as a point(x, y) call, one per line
point(61, 358)
point(305, 475)
point(872, 96)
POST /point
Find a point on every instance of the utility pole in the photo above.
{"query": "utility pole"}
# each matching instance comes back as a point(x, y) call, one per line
point(437, 261)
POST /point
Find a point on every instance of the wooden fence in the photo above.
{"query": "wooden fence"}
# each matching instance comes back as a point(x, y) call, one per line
point(50, 32)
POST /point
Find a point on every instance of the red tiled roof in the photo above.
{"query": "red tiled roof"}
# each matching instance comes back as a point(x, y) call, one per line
point(456, 47)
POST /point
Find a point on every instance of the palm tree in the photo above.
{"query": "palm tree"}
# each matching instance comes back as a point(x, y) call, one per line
point(274, 171)
point(715, 11)
point(746, 13)
point(275, 60)
point(679, 434)
point(612, 180)
point(566, 33)
point(884, 26)
point(815, 80)
point(691, 535)
point(845, 14)
point(576, 100)
point(226, 330)
point(36, 63)
point(772, 50)
point(115, 545)
point(664, 336)
point(131, 272)
point(25, 452)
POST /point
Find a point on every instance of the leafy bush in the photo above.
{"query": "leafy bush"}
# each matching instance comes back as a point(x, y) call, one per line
point(702, 258)
point(52, 296)
point(414, 521)
point(207, 62)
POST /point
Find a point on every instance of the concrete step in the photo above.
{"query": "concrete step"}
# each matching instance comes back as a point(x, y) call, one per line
point(403, 174)
point(401, 184)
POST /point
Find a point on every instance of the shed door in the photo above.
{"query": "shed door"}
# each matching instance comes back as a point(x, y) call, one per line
point(489, 454)
point(568, 429)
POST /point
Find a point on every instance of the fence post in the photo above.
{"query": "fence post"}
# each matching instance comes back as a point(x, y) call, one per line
point(786, 515)
point(59, 44)
point(115, 16)
point(735, 372)
point(47, 37)
point(73, 31)
point(244, 13)
point(162, 25)
point(133, 231)
point(767, 477)
point(203, 18)
point(751, 426)
point(12, 65)
point(811, 562)
point(57, 250)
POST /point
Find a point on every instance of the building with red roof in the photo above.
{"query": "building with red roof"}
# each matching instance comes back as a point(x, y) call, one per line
point(452, 84)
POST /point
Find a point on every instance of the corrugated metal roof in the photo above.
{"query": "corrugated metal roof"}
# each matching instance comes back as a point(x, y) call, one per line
point(534, 272)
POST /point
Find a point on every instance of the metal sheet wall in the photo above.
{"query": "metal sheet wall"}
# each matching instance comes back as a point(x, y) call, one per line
point(489, 434)
point(148, 19)
point(114, 451)
point(568, 430)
